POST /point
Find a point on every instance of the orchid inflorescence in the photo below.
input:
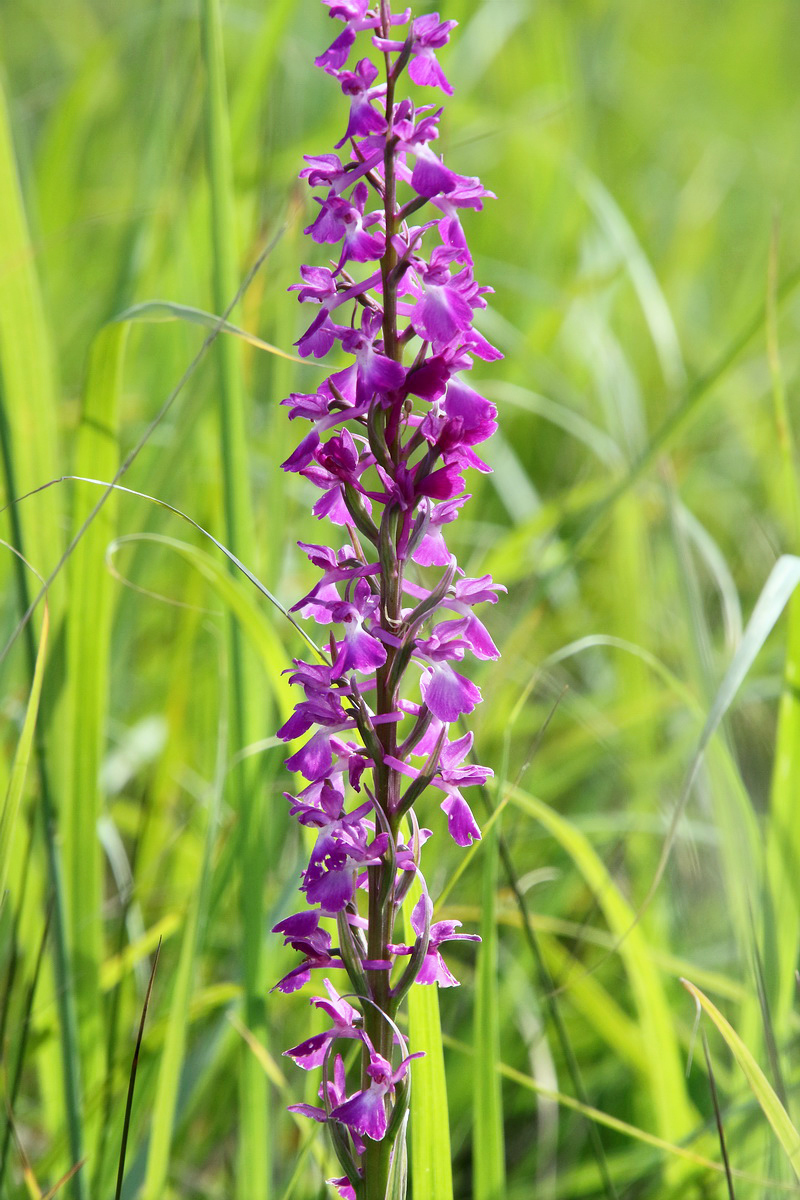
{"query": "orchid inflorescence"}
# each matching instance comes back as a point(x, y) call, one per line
point(389, 443)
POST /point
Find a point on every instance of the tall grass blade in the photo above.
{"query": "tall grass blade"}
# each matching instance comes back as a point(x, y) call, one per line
point(674, 1112)
point(550, 998)
point(164, 1112)
point(88, 648)
point(431, 1167)
point(30, 454)
point(253, 1175)
point(785, 1132)
point(544, 978)
point(22, 755)
point(775, 595)
point(489, 1173)
point(782, 936)
point(27, 374)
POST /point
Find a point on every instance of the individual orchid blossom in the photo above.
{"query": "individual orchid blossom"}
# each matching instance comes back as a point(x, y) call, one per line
point(392, 437)
point(311, 1052)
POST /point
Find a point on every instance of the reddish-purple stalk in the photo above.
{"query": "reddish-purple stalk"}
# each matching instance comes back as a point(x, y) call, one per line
point(387, 784)
point(415, 427)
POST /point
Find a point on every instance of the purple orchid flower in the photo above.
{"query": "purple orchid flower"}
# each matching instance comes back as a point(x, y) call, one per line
point(365, 1111)
point(311, 1053)
point(303, 933)
point(390, 445)
point(434, 969)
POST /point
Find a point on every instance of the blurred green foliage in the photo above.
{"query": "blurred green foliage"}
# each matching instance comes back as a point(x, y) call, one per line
point(644, 247)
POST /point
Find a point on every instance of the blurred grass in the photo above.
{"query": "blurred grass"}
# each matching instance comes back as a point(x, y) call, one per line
point(645, 485)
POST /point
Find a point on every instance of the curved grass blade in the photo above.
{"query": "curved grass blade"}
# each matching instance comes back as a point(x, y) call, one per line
point(237, 562)
point(776, 593)
point(675, 1113)
point(654, 306)
point(776, 1114)
point(133, 453)
point(22, 755)
point(65, 1178)
point(781, 583)
point(168, 310)
point(488, 1164)
point(598, 1117)
point(240, 604)
point(694, 394)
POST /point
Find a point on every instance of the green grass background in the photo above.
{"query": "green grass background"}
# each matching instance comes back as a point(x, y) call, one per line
point(645, 248)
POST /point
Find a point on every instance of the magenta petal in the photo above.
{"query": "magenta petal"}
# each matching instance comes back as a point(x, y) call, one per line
point(444, 484)
point(296, 979)
point(479, 640)
point(304, 453)
point(441, 314)
point(426, 72)
point(428, 380)
point(343, 1187)
point(309, 1110)
point(460, 821)
point(359, 651)
point(430, 176)
point(332, 890)
point(385, 374)
point(435, 970)
point(448, 694)
point(432, 550)
point(338, 52)
point(310, 1053)
point(364, 1112)
point(315, 759)
point(476, 413)
point(303, 924)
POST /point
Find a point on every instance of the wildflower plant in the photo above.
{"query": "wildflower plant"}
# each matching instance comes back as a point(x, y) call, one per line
point(392, 434)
